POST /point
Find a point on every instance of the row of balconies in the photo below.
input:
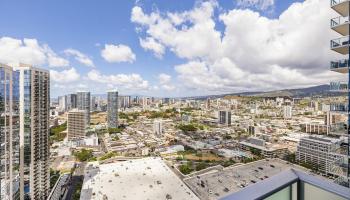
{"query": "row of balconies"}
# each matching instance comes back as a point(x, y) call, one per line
point(341, 25)
point(339, 107)
point(338, 87)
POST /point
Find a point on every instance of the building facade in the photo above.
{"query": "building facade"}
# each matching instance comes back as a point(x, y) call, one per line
point(71, 101)
point(83, 103)
point(224, 117)
point(158, 127)
point(34, 105)
point(112, 109)
point(124, 102)
point(320, 152)
point(62, 103)
point(93, 106)
point(341, 45)
point(76, 124)
point(287, 112)
point(9, 134)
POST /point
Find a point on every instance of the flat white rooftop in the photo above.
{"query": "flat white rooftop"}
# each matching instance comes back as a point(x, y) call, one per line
point(146, 179)
point(217, 184)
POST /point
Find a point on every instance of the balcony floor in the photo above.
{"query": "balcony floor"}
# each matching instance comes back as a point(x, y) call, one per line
point(342, 29)
point(342, 49)
point(342, 8)
point(343, 70)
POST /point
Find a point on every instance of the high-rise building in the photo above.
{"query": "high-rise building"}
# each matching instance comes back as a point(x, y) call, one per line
point(166, 100)
point(112, 109)
point(124, 101)
point(207, 103)
point(158, 127)
point(71, 101)
point(76, 124)
point(62, 103)
point(341, 25)
point(287, 112)
point(34, 105)
point(93, 106)
point(224, 117)
point(83, 103)
point(9, 134)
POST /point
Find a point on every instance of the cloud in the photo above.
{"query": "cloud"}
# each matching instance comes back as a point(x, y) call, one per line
point(80, 57)
point(257, 4)
point(64, 76)
point(29, 51)
point(124, 81)
point(118, 53)
point(172, 30)
point(152, 45)
point(165, 82)
point(252, 52)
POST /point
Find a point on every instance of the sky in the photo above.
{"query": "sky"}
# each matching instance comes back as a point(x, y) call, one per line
point(170, 48)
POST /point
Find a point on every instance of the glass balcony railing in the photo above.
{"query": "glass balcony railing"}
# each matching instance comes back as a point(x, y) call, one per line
point(338, 86)
point(339, 21)
point(340, 42)
point(339, 64)
point(335, 2)
point(339, 107)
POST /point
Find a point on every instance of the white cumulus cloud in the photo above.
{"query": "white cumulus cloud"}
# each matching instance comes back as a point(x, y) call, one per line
point(150, 44)
point(64, 76)
point(118, 53)
point(165, 82)
point(252, 52)
point(124, 81)
point(258, 4)
point(29, 51)
point(80, 57)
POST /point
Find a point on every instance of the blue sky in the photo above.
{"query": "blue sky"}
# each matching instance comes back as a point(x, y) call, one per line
point(71, 29)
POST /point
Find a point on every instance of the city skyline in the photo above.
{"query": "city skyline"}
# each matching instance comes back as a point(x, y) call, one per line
point(198, 99)
point(127, 49)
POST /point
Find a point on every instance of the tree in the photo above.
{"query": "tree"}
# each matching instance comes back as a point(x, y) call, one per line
point(115, 138)
point(290, 157)
point(54, 175)
point(201, 166)
point(107, 156)
point(115, 130)
point(76, 194)
point(187, 127)
point(256, 152)
point(56, 133)
point(185, 169)
point(84, 155)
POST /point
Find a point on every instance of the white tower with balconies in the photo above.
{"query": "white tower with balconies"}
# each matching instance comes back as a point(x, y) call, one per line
point(341, 25)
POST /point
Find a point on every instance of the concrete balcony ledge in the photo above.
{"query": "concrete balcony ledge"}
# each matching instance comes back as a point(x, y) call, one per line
point(341, 6)
point(340, 25)
point(340, 45)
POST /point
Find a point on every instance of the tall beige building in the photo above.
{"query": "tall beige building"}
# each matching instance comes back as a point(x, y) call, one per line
point(34, 105)
point(76, 124)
